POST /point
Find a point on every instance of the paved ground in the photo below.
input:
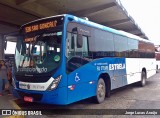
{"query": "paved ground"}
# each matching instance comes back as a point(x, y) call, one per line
point(129, 97)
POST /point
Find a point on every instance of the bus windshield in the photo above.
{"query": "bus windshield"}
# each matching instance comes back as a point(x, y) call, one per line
point(39, 54)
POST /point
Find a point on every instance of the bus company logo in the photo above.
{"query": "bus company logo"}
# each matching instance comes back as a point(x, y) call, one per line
point(22, 85)
point(119, 66)
point(39, 70)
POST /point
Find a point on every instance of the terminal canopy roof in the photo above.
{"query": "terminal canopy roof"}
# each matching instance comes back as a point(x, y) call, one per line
point(14, 13)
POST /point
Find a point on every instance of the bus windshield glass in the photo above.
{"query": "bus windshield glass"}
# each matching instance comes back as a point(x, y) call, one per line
point(39, 54)
point(38, 48)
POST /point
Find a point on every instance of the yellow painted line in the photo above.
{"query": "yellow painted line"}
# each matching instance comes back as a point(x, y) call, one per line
point(15, 106)
point(16, 116)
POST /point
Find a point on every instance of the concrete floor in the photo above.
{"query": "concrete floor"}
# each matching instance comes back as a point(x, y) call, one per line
point(129, 97)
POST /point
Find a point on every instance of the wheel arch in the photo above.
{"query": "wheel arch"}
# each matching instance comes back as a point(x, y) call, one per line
point(107, 80)
point(144, 70)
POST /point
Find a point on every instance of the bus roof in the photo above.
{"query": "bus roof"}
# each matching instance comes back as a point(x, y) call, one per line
point(43, 19)
point(119, 32)
point(96, 25)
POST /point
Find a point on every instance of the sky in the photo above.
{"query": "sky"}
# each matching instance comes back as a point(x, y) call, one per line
point(146, 15)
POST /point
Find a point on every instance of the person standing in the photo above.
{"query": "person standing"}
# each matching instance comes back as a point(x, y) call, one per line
point(3, 77)
point(9, 70)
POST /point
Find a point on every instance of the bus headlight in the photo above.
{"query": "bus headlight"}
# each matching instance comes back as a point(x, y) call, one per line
point(55, 83)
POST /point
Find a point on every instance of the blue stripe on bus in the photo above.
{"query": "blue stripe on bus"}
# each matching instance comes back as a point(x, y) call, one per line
point(115, 67)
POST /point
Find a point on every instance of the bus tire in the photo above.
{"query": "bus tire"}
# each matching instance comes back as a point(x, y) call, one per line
point(100, 91)
point(156, 68)
point(108, 89)
point(142, 83)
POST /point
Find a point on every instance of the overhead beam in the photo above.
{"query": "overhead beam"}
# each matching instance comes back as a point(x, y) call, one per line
point(145, 37)
point(85, 12)
point(14, 16)
point(132, 31)
point(41, 10)
point(9, 24)
point(116, 22)
point(16, 9)
point(23, 2)
point(27, 8)
point(140, 34)
point(126, 30)
point(136, 32)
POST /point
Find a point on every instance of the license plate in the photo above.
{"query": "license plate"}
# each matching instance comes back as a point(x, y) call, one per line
point(28, 99)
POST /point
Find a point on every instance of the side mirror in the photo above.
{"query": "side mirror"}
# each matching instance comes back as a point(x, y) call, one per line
point(79, 38)
point(5, 44)
point(79, 41)
point(72, 42)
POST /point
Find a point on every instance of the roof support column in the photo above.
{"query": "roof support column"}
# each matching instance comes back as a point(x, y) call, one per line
point(2, 42)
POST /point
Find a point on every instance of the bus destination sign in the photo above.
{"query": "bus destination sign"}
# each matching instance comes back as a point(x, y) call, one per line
point(42, 25)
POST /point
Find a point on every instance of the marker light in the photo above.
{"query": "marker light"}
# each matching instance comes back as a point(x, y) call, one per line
point(71, 87)
point(54, 83)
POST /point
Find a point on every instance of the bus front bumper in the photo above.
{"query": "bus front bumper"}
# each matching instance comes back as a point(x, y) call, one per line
point(57, 96)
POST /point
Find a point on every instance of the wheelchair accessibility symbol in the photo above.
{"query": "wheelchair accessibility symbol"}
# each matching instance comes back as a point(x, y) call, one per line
point(77, 77)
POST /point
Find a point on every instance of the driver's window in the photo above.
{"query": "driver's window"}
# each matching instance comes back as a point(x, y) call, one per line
point(76, 54)
point(84, 48)
point(70, 45)
point(72, 48)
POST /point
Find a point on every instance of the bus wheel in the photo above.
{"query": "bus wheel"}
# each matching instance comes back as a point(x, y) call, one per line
point(101, 91)
point(157, 69)
point(143, 79)
point(108, 90)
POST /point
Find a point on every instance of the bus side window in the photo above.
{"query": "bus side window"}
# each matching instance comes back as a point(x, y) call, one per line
point(85, 46)
point(81, 51)
point(82, 47)
point(79, 41)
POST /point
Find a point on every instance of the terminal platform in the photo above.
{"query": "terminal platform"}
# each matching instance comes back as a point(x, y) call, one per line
point(8, 102)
